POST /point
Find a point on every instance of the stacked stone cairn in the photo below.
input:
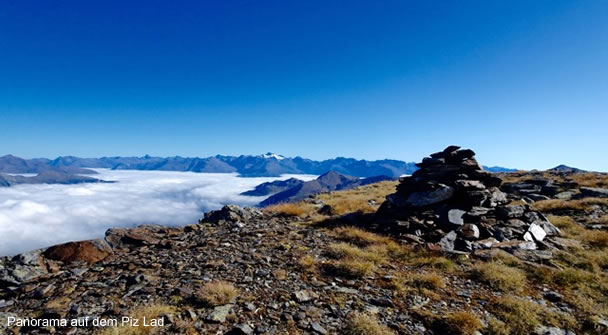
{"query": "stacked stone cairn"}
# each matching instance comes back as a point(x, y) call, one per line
point(451, 204)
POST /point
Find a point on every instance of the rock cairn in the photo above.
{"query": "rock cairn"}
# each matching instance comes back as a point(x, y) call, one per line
point(451, 204)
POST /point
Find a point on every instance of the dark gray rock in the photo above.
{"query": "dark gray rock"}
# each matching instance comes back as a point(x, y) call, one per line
point(594, 192)
point(425, 198)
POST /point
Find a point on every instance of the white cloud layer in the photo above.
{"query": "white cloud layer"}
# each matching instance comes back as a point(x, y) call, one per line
point(36, 216)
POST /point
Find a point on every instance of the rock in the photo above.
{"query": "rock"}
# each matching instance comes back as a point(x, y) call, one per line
point(317, 328)
point(470, 184)
point(231, 214)
point(537, 232)
point(447, 242)
point(469, 231)
point(497, 197)
point(538, 197)
point(565, 243)
point(327, 210)
point(241, 329)
point(134, 237)
point(219, 313)
point(534, 256)
point(564, 195)
point(425, 198)
point(4, 303)
point(542, 330)
point(303, 296)
point(90, 251)
point(510, 212)
point(553, 296)
point(455, 217)
point(594, 192)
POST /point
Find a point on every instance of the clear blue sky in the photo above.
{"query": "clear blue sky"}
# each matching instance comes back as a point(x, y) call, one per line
point(524, 83)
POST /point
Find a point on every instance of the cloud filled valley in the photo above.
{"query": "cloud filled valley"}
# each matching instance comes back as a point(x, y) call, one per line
point(35, 216)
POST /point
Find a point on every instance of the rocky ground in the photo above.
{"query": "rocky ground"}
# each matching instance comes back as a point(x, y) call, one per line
point(469, 253)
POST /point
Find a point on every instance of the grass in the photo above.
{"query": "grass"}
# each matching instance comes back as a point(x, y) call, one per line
point(373, 253)
point(499, 276)
point(217, 293)
point(364, 324)
point(590, 179)
point(308, 263)
point(359, 236)
point(582, 179)
point(555, 205)
point(341, 202)
point(360, 253)
point(429, 280)
point(153, 311)
point(562, 222)
point(425, 283)
point(462, 323)
point(289, 209)
point(358, 199)
point(436, 262)
point(352, 268)
point(515, 316)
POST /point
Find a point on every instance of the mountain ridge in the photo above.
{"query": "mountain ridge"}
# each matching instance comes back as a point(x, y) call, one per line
point(267, 165)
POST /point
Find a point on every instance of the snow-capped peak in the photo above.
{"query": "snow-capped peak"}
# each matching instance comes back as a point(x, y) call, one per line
point(272, 155)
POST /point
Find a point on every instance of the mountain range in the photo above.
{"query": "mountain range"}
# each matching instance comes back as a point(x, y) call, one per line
point(267, 165)
point(47, 177)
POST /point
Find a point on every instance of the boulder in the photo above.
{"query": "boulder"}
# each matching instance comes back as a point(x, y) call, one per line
point(90, 251)
point(594, 192)
point(231, 214)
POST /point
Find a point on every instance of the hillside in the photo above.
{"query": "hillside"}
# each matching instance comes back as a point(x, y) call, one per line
point(346, 262)
point(330, 181)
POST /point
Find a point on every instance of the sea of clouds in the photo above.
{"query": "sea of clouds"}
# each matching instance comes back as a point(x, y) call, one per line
point(36, 216)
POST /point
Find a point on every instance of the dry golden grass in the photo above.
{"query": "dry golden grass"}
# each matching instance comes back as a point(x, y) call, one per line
point(290, 209)
point(516, 316)
point(463, 323)
point(590, 179)
point(433, 261)
point(430, 280)
point(358, 199)
point(359, 236)
point(561, 222)
point(519, 316)
point(499, 276)
point(352, 268)
point(308, 263)
point(149, 312)
point(373, 253)
point(582, 179)
point(595, 238)
point(426, 284)
point(217, 293)
point(363, 324)
point(552, 205)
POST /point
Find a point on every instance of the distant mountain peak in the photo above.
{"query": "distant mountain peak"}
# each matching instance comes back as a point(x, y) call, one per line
point(273, 155)
point(565, 168)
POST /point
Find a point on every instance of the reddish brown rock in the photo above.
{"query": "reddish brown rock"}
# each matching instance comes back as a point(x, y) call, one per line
point(90, 251)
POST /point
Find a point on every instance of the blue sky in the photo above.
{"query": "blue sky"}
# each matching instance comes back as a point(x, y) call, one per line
point(523, 83)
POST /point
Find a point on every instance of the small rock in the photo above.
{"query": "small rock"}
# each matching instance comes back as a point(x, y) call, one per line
point(553, 296)
point(469, 231)
point(303, 296)
point(219, 313)
point(317, 328)
point(241, 329)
